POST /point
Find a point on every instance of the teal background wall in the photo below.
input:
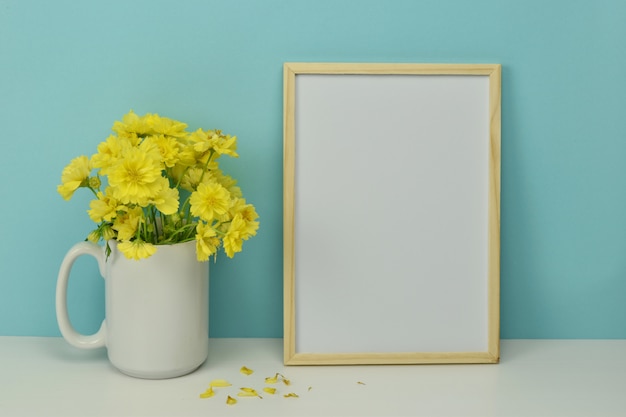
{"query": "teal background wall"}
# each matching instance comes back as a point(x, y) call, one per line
point(68, 69)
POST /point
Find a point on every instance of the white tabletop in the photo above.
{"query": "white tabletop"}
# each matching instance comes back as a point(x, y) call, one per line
point(47, 377)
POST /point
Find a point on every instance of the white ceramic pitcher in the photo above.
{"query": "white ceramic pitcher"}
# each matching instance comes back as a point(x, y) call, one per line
point(156, 309)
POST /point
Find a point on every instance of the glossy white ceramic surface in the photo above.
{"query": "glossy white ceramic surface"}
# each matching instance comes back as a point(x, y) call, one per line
point(156, 318)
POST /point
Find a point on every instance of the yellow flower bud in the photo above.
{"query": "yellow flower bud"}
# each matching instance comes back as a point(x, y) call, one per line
point(94, 182)
point(94, 236)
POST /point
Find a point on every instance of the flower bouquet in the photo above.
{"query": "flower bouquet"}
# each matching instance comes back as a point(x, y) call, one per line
point(155, 183)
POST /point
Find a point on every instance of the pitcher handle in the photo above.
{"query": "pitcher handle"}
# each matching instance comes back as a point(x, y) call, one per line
point(70, 334)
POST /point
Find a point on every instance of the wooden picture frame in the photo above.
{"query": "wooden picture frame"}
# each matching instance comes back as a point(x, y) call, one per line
point(391, 213)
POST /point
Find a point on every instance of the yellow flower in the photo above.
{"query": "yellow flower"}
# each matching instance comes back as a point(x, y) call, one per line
point(94, 183)
point(164, 126)
point(168, 147)
point(94, 236)
point(191, 177)
point(135, 179)
point(199, 140)
point(228, 182)
point(207, 241)
point(186, 155)
point(209, 201)
point(166, 201)
point(137, 249)
point(131, 127)
point(140, 171)
point(233, 240)
point(104, 231)
point(109, 152)
point(126, 224)
point(224, 144)
point(107, 232)
point(248, 214)
point(104, 207)
point(204, 142)
point(74, 175)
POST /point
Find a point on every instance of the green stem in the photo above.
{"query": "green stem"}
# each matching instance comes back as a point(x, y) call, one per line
point(206, 165)
point(181, 177)
point(155, 226)
point(93, 191)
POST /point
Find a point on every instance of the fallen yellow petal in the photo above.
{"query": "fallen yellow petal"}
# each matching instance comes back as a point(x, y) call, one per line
point(248, 392)
point(270, 390)
point(271, 379)
point(310, 388)
point(360, 383)
point(246, 371)
point(230, 400)
point(291, 394)
point(208, 393)
point(217, 383)
point(285, 380)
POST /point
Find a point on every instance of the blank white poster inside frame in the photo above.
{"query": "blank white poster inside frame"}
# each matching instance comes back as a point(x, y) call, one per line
point(391, 213)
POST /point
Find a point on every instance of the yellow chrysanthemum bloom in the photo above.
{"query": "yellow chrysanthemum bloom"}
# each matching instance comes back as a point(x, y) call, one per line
point(199, 140)
point(136, 249)
point(166, 201)
point(192, 178)
point(229, 183)
point(131, 127)
point(186, 154)
point(205, 142)
point(233, 240)
point(189, 177)
point(109, 152)
point(207, 241)
point(164, 126)
point(224, 144)
point(135, 179)
point(248, 214)
point(74, 175)
point(105, 207)
point(168, 147)
point(126, 224)
point(209, 201)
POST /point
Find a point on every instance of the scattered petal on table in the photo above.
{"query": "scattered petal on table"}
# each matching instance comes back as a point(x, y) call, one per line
point(246, 371)
point(270, 390)
point(208, 393)
point(360, 383)
point(271, 379)
point(248, 392)
point(219, 383)
point(291, 395)
point(230, 400)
